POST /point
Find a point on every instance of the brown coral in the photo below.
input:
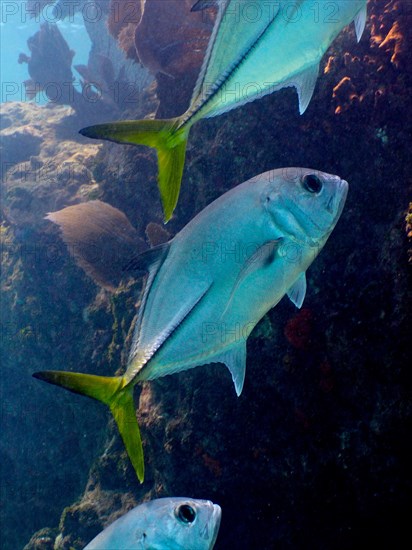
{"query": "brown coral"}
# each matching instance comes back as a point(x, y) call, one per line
point(123, 13)
point(390, 31)
point(170, 38)
point(345, 94)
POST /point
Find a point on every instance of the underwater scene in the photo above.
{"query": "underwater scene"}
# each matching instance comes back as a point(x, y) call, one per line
point(234, 299)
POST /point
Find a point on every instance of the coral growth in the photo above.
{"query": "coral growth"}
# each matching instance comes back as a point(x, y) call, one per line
point(168, 39)
point(345, 94)
point(367, 77)
point(124, 16)
point(50, 69)
point(49, 65)
point(391, 32)
point(101, 93)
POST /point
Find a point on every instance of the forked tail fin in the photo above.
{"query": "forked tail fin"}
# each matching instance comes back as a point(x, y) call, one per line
point(166, 137)
point(113, 392)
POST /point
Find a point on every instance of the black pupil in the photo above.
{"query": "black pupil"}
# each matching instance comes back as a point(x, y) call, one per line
point(312, 183)
point(186, 514)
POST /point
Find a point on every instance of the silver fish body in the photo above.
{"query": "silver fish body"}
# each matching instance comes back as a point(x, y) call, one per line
point(163, 524)
point(228, 267)
point(208, 287)
point(259, 47)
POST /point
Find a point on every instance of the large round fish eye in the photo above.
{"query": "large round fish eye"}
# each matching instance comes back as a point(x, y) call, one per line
point(312, 183)
point(185, 513)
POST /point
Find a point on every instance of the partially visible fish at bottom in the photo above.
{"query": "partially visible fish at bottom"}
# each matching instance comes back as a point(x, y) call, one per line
point(173, 523)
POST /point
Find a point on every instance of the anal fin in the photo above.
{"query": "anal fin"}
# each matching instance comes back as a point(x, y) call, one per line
point(297, 291)
point(235, 360)
point(305, 83)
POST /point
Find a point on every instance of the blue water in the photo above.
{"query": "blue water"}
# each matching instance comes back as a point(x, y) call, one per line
point(16, 27)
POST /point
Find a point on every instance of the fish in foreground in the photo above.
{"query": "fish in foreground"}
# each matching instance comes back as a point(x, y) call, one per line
point(256, 48)
point(210, 285)
point(163, 524)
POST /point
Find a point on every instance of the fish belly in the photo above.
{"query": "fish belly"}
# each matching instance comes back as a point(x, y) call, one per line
point(222, 322)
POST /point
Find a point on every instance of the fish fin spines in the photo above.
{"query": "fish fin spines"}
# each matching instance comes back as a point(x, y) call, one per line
point(113, 392)
point(168, 137)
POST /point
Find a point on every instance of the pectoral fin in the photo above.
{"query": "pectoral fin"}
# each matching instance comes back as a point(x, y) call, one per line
point(360, 22)
point(262, 257)
point(297, 291)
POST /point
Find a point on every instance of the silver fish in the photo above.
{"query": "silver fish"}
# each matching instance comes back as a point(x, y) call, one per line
point(256, 48)
point(209, 286)
point(163, 524)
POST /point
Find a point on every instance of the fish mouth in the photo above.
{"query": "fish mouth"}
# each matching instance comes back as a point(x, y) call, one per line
point(215, 519)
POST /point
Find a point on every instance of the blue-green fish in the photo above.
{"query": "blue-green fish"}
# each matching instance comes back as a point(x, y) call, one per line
point(173, 523)
point(209, 286)
point(256, 48)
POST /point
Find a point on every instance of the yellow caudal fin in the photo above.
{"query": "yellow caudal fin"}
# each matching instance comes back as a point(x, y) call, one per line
point(166, 137)
point(113, 392)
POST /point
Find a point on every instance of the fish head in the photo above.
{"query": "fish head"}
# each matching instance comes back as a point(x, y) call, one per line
point(304, 204)
point(182, 523)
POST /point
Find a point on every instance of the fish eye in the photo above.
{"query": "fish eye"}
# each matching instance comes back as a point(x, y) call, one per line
point(185, 514)
point(312, 183)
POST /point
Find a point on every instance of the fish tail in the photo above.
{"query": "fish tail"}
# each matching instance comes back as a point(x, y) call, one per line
point(168, 137)
point(113, 392)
